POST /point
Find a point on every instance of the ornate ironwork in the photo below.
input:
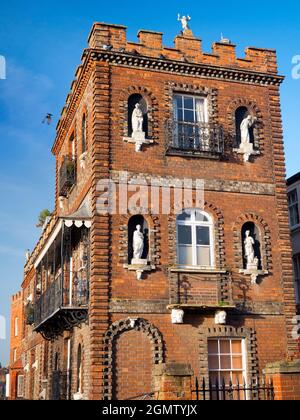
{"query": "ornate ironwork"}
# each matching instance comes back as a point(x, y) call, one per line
point(60, 308)
point(67, 176)
point(194, 138)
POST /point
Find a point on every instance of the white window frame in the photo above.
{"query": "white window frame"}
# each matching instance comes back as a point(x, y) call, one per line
point(296, 261)
point(20, 386)
point(15, 355)
point(194, 97)
point(193, 223)
point(294, 188)
point(244, 369)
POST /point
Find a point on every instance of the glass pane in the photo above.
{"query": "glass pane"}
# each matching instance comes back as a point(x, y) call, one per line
point(213, 346)
point(225, 346)
point(237, 376)
point(200, 217)
point(185, 255)
point(179, 115)
point(236, 346)
point(214, 377)
point(237, 362)
point(184, 235)
point(185, 216)
point(189, 116)
point(203, 235)
point(203, 256)
point(188, 103)
point(225, 362)
point(178, 99)
point(213, 362)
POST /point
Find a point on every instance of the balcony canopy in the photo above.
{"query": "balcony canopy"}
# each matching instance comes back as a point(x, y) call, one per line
point(82, 217)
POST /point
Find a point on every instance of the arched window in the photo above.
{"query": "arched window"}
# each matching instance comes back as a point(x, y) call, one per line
point(134, 221)
point(255, 234)
point(132, 101)
point(83, 134)
point(79, 369)
point(240, 114)
point(195, 239)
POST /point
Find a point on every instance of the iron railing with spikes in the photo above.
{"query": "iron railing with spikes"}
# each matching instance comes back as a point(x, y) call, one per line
point(215, 390)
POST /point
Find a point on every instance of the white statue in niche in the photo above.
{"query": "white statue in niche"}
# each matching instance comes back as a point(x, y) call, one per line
point(138, 243)
point(177, 316)
point(246, 147)
point(137, 120)
point(246, 124)
point(184, 21)
point(252, 261)
point(220, 318)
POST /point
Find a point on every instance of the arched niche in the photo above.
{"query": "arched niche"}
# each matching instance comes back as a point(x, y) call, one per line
point(255, 234)
point(134, 99)
point(240, 114)
point(133, 222)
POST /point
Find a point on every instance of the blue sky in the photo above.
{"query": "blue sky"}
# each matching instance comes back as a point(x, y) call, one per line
point(42, 43)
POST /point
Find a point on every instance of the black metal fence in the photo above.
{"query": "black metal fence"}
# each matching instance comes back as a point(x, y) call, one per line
point(194, 137)
point(209, 390)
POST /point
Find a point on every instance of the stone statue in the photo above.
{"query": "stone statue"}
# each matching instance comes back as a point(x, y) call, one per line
point(249, 248)
point(138, 243)
point(177, 316)
point(137, 120)
point(184, 21)
point(246, 124)
point(220, 318)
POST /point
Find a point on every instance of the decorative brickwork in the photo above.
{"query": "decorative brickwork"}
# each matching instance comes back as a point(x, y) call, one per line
point(255, 112)
point(152, 111)
point(120, 327)
point(265, 240)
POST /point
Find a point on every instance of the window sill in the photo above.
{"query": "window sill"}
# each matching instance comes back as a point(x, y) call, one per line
point(208, 270)
point(193, 154)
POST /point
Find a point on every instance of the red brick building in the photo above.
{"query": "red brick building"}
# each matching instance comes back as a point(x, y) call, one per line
point(206, 282)
point(16, 373)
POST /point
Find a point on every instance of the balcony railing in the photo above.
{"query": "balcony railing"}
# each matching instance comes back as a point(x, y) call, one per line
point(194, 138)
point(67, 176)
point(63, 304)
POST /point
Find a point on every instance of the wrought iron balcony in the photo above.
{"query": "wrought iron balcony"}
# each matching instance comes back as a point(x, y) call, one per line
point(63, 305)
point(67, 176)
point(200, 139)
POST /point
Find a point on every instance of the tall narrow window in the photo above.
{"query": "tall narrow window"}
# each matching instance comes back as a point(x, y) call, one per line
point(195, 239)
point(297, 276)
point(79, 369)
point(226, 363)
point(16, 326)
point(190, 120)
point(83, 134)
point(293, 208)
point(20, 386)
point(72, 146)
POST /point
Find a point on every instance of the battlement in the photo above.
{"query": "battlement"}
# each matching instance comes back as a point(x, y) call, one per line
point(16, 297)
point(186, 48)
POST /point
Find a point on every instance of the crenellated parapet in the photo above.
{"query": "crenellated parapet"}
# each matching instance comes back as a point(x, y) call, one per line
point(187, 47)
